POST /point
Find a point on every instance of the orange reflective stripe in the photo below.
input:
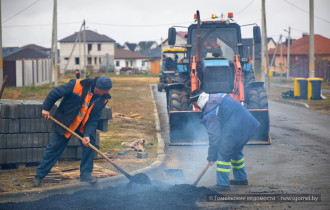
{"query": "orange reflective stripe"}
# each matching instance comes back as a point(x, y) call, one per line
point(83, 112)
point(82, 127)
point(78, 87)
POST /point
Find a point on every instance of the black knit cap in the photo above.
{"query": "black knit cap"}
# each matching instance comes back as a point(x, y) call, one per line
point(103, 83)
point(195, 95)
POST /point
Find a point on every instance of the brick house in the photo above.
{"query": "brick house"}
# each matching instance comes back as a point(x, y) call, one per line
point(299, 57)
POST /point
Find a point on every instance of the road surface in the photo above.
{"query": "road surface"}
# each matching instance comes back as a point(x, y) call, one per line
point(297, 161)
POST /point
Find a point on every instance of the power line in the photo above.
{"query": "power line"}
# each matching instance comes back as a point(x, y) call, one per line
point(245, 7)
point(119, 25)
point(305, 11)
point(21, 11)
point(37, 25)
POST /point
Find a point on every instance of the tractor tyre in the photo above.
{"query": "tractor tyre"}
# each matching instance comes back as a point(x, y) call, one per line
point(160, 87)
point(248, 78)
point(256, 98)
point(178, 100)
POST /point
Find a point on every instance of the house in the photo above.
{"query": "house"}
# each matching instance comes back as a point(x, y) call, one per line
point(26, 67)
point(154, 63)
point(100, 51)
point(9, 50)
point(130, 46)
point(248, 50)
point(299, 56)
point(180, 40)
point(130, 60)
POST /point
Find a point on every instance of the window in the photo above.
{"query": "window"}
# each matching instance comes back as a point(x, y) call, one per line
point(99, 47)
point(95, 60)
point(77, 60)
point(89, 60)
point(66, 58)
point(89, 47)
point(131, 63)
point(143, 63)
point(100, 60)
point(117, 63)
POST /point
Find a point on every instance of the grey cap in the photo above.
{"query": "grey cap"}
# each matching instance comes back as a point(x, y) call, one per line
point(103, 83)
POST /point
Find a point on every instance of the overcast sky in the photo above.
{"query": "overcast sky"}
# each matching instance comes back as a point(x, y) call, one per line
point(30, 21)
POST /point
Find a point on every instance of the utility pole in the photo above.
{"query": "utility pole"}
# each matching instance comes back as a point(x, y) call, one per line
point(1, 58)
point(85, 58)
point(55, 43)
point(265, 49)
point(253, 55)
point(288, 55)
point(53, 54)
point(281, 59)
point(311, 39)
point(273, 59)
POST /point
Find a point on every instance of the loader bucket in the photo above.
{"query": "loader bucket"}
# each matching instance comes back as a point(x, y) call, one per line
point(262, 136)
point(186, 129)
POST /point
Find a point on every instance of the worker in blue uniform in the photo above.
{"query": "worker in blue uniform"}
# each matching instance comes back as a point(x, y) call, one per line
point(229, 126)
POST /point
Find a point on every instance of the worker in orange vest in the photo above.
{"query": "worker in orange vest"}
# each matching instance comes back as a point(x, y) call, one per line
point(77, 73)
point(80, 110)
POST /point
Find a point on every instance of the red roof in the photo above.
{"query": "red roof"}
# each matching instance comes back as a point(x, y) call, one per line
point(301, 46)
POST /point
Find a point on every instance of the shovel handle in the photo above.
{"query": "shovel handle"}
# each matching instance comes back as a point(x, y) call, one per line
point(91, 146)
point(202, 173)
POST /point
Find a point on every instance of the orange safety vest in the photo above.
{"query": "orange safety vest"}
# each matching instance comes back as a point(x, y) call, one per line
point(84, 111)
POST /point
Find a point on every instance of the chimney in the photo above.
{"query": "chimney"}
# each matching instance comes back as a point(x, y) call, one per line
point(304, 34)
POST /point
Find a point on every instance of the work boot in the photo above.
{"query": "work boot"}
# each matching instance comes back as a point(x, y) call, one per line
point(36, 181)
point(235, 182)
point(88, 178)
point(221, 188)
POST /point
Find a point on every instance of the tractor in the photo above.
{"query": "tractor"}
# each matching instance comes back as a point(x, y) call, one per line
point(171, 66)
point(215, 63)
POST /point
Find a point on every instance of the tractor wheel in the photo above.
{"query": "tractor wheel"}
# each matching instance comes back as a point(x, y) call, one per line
point(178, 100)
point(248, 78)
point(160, 87)
point(256, 98)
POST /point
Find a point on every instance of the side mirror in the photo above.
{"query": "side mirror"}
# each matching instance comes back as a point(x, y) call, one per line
point(171, 36)
point(256, 34)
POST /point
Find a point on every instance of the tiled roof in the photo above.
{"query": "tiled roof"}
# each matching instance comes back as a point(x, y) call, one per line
point(131, 46)
point(91, 36)
point(34, 46)
point(301, 46)
point(27, 53)
point(127, 54)
point(146, 45)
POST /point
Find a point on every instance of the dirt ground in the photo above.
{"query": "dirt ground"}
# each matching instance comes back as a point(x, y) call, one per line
point(131, 96)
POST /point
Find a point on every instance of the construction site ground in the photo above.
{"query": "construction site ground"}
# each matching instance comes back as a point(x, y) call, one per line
point(295, 163)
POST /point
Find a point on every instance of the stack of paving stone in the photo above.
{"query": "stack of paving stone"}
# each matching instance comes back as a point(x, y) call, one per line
point(24, 133)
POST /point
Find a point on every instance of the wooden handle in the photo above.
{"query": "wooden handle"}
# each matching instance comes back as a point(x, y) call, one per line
point(91, 146)
point(202, 173)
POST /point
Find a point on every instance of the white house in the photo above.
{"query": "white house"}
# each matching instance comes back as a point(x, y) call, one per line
point(180, 40)
point(100, 51)
point(129, 59)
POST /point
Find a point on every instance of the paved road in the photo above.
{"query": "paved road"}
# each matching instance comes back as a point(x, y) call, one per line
point(296, 162)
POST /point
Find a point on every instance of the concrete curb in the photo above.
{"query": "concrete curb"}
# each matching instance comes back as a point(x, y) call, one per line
point(295, 103)
point(37, 194)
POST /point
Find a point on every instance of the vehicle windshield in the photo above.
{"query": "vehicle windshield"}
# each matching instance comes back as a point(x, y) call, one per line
point(222, 41)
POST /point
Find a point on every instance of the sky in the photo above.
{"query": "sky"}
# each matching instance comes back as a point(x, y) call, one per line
point(30, 21)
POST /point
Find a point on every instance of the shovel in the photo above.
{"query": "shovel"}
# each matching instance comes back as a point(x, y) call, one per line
point(202, 173)
point(139, 178)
